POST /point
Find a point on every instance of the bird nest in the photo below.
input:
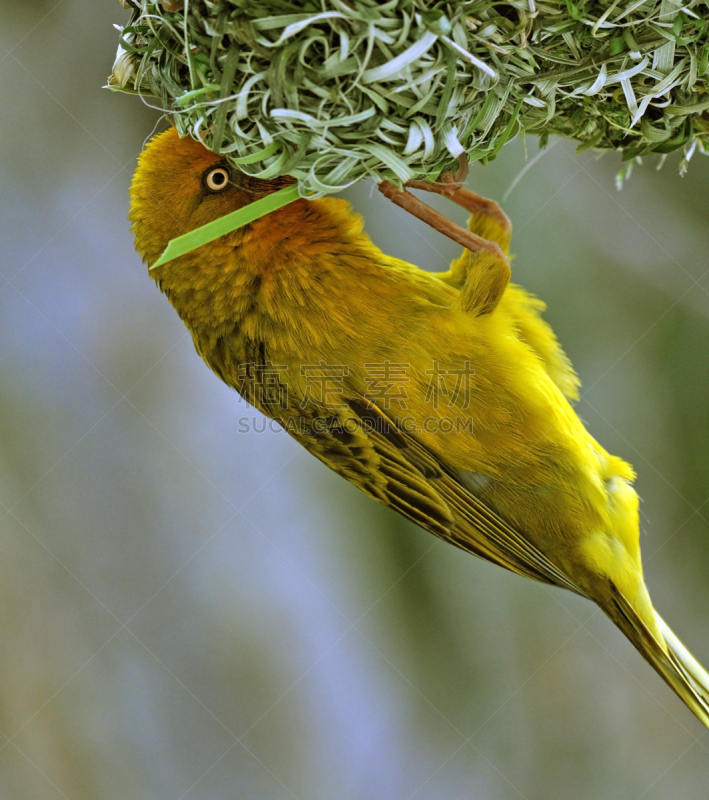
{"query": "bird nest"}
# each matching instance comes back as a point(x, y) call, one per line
point(333, 91)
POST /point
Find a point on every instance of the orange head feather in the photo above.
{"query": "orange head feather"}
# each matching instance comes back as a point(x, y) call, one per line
point(170, 195)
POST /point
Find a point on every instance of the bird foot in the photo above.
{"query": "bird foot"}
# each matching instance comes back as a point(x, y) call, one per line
point(450, 186)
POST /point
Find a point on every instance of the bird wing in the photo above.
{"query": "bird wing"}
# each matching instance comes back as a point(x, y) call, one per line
point(366, 446)
point(526, 311)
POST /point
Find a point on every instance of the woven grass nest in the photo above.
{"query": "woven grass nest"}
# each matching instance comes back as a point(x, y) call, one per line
point(333, 91)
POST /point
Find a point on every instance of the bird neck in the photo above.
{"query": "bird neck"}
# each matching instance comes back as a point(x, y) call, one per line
point(274, 276)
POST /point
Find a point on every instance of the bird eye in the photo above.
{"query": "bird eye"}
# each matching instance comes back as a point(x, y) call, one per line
point(217, 179)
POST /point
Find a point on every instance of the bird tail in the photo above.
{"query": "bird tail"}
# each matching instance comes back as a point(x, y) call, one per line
point(677, 666)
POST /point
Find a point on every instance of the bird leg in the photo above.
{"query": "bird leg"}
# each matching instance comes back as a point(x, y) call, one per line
point(424, 212)
point(487, 219)
point(481, 275)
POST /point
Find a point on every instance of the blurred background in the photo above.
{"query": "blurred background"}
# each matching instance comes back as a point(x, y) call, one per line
point(188, 611)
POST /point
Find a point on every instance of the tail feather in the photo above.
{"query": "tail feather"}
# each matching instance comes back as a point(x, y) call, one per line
point(675, 664)
point(685, 661)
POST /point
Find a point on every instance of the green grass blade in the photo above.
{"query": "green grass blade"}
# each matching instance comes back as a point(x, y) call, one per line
point(226, 224)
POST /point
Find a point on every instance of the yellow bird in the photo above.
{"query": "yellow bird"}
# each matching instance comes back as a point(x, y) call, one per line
point(444, 396)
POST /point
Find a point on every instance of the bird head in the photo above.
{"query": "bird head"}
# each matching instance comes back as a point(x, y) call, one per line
point(180, 185)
